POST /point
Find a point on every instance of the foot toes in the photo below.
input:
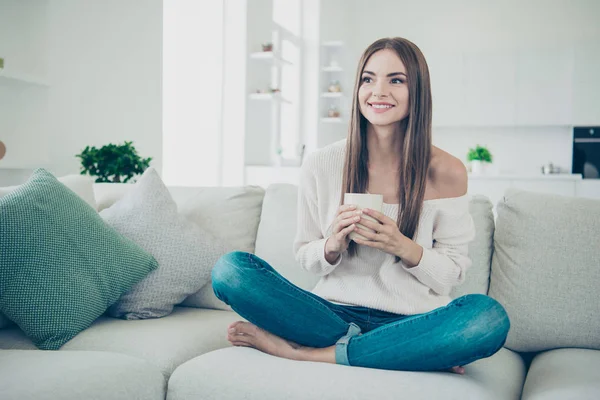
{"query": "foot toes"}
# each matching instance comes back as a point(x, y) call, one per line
point(457, 370)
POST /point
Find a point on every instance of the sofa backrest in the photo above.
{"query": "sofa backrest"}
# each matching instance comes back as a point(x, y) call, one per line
point(229, 213)
point(277, 230)
point(546, 270)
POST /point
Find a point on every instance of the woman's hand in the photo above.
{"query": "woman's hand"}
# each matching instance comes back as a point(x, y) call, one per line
point(387, 237)
point(344, 223)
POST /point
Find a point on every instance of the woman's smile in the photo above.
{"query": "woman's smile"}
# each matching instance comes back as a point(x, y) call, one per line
point(379, 106)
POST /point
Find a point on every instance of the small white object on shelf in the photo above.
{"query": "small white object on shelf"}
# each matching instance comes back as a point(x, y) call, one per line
point(329, 120)
point(268, 55)
point(23, 78)
point(331, 94)
point(333, 43)
point(268, 96)
point(333, 68)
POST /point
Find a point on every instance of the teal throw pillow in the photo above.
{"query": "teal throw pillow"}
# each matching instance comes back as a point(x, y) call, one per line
point(61, 266)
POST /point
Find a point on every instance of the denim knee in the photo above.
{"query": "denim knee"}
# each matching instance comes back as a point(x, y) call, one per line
point(490, 320)
point(226, 275)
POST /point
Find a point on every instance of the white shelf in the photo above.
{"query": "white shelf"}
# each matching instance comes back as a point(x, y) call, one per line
point(269, 56)
point(23, 78)
point(268, 97)
point(331, 94)
point(332, 120)
point(333, 43)
point(333, 69)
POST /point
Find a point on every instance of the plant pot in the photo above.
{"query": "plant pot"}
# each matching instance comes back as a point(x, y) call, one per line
point(479, 167)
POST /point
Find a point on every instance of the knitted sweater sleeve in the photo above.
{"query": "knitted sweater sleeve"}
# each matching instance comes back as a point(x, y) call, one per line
point(443, 265)
point(309, 244)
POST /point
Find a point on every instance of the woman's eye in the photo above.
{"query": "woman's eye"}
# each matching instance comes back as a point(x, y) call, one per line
point(366, 79)
point(397, 80)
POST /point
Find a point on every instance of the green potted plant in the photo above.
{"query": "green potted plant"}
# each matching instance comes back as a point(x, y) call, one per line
point(113, 163)
point(479, 157)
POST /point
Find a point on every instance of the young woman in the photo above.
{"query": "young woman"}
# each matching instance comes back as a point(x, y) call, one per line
point(382, 302)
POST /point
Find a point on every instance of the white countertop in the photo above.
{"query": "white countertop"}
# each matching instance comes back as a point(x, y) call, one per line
point(512, 177)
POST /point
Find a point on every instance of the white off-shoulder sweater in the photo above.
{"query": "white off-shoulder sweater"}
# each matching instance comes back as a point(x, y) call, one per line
point(372, 278)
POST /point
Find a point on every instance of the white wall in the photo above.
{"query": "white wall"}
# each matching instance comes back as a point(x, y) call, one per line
point(458, 36)
point(23, 105)
point(193, 92)
point(105, 68)
point(103, 63)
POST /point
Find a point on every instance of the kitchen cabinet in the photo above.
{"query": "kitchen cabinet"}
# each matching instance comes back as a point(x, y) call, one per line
point(490, 89)
point(586, 84)
point(544, 87)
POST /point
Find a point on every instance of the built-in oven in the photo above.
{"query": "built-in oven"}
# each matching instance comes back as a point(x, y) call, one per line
point(586, 151)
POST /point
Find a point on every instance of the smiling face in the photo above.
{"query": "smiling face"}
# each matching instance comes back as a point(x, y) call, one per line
point(383, 92)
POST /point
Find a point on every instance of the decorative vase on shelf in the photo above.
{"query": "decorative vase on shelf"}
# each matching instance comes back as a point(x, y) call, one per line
point(266, 47)
point(333, 112)
point(334, 87)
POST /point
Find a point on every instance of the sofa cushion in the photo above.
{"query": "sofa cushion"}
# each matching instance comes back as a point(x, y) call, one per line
point(277, 230)
point(480, 249)
point(564, 374)
point(75, 375)
point(185, 252)
point(61, 266)
point(81, 185)
point(276, 233)
point(230, 214)
point(164, 342)
point(240, 372)
point(546, 270)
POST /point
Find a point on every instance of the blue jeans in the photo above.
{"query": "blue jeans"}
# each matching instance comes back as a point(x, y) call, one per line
point(471, 327)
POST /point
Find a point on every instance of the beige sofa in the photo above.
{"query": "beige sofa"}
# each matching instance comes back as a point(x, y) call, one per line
point(186, 355)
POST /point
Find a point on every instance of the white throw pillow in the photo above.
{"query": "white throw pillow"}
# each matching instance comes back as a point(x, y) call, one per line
point(185, 252)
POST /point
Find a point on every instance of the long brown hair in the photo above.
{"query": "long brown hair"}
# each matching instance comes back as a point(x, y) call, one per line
point(416, 148)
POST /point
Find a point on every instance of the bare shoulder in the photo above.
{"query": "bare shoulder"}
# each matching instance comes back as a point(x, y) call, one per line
point(447, 174)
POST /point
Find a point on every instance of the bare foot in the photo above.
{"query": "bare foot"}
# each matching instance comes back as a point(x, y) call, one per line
point(249, 335)
point(457, 370)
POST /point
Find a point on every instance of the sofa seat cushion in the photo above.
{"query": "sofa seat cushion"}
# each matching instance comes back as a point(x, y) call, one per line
point(165, 342)
point(76, 375)
point(564, 374)
point(240, 372)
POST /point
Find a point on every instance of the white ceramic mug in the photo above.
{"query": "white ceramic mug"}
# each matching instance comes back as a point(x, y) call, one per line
point(364, 200)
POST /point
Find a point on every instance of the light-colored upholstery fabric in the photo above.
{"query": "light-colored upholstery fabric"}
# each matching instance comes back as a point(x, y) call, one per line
point(277, 230)
point(185, 252)
point(77, 375)
point(83, 186)
point(480, 249)
point(276, 233)
point(564, 374)
point(264, 377)
point(546, 270)
point(164, 342)
point(231, 214)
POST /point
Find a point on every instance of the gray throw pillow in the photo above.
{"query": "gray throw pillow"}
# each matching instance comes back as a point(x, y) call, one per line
point(185, 252)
